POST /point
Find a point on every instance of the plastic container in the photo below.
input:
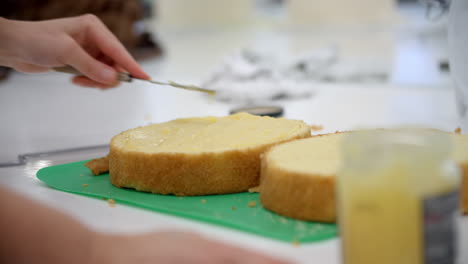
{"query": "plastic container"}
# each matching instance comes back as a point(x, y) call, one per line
point(458, 52)
point(398, 198)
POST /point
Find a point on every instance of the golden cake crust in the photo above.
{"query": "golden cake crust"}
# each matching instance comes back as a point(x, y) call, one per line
point(187, 174)
point(297, 195)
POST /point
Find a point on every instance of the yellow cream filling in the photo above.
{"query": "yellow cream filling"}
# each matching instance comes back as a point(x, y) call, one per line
point(210, 134)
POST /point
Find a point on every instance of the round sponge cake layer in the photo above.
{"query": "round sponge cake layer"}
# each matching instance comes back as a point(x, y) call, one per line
point(298, 178)
point(198, 156)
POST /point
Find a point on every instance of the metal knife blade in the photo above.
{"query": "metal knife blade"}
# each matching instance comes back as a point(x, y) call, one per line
point(126, 77)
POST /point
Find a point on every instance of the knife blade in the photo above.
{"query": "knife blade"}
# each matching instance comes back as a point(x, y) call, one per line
point(127, 77)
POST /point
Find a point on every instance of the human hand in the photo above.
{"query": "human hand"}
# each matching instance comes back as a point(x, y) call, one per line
point(169, 248)
point(82, 42)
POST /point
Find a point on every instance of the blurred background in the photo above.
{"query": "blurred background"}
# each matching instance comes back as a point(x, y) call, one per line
point(253, 52)
point(406, 38)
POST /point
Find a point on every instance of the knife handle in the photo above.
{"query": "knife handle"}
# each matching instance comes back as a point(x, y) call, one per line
point(121, 76)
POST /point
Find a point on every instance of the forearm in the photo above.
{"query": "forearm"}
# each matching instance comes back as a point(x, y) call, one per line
point(8, 47)
point(33, 233)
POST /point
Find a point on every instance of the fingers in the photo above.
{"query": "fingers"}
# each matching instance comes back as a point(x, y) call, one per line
point(101, 36)
point(73, 55)
point(29, 68)
point(86, 82)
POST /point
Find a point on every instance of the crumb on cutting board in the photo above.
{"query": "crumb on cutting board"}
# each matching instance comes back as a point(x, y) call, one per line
point(233, 208)
point(203, 201)
point(252, 204)
point(98, 166)
point(85, 185)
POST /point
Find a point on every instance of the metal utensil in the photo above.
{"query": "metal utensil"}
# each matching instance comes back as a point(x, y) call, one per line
point(127, 77)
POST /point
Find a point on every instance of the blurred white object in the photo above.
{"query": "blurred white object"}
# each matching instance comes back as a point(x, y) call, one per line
point(338, 12)
point(251, 76)
point(180, 14)
point(458, 43)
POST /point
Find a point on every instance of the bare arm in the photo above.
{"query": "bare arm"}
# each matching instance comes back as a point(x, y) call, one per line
point(33, 233)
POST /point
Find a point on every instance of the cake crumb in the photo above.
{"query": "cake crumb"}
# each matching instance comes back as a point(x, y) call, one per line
point(457, 130)
point(203, 201)
point(85, 185)
point(81, 174)
point(111, 202)
point(103, 198)
point(316, 127)
point(98, 166)
point(296, 243)
point(252, 204)
point(233, 208)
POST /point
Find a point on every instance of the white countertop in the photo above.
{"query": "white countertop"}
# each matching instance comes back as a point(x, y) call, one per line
point(45, 112)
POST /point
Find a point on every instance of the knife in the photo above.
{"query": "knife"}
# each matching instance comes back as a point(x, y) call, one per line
point(127, 77)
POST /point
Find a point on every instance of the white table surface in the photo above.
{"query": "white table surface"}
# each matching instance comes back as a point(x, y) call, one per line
point(45, 112)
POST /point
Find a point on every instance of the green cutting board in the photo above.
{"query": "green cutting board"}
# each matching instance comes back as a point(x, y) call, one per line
point(228, 210)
